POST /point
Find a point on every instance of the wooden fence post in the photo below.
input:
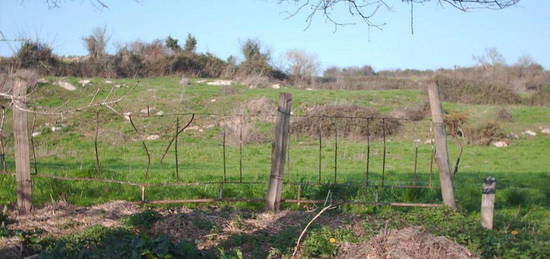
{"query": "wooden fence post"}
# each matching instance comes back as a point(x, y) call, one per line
point(441, 151)
point(21, 135)
point(278, 152)
point(488, 202)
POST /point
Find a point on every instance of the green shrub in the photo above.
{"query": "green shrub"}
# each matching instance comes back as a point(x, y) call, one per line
point(143, 220)
point(324, 242)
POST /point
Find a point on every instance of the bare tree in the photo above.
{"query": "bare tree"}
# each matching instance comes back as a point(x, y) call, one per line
point(96, 43)
point(302, 66)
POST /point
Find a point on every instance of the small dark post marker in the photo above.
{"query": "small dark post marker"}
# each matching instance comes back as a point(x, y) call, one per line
point(488, 202)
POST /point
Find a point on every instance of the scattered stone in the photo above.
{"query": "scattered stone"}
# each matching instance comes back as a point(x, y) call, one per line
point(36, 134)
point(108, 81)
point(192, 128)
point(144, 110)
point(153, 137)
point(309, 89)
point(220, 82)
point(84, 82)
point(42, 81)
point(276, 86)
point(54, 128)
point(429, 141)
point(513, 135)
point(159, 113)
point(417, 140)
point(185, 81)
point(529, 133)
point(500, 144)
point(202, 81)
point(545, 131)
point(209, 126)
point(117, 86)
point(65, 85)
point(213, 100)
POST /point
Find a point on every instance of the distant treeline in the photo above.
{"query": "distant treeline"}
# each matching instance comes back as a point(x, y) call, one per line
point(490, 76)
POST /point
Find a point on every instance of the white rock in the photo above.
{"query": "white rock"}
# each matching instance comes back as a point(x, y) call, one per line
point(500, 144)
point(529, 133)
point(417, 140)
point(84, 82)
point(185, 81)
point(36, 134)
point(192, 128)
point(276, 86)
point(159, 113)
point(127, 115)
point(54, 128)
point(220, 82)
point(108, 81)
point(42, 81)
point(153, 137)
point(202, 81)
point(429, 141)
point(309, 89)
point(66, 85)
point(117, 86)
point(213, 100)
point(201, 130)
point(545, 131)
point(209, 126)
point(144, 110)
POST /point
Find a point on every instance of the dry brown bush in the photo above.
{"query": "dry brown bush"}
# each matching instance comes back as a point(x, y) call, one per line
point(413, 112)
point(454, 122)
point(504, 115)
point(484, 134)
point(239, 129)
point(475, 92)
point(351, 121)
point(261, 109)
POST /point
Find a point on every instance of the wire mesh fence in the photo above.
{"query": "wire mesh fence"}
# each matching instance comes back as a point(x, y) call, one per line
point(103, 154)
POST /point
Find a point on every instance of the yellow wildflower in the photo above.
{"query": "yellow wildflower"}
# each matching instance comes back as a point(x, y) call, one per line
point(332, 240)
point(514, 232)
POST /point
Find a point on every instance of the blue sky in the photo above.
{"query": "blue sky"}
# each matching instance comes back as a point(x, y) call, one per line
point(444, 37)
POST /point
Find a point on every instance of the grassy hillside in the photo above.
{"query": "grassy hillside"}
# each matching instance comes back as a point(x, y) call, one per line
point(64, 146)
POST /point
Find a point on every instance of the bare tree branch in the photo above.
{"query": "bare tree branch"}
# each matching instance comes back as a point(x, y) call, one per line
point(365, 10)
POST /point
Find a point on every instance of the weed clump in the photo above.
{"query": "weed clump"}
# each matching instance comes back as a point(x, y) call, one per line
point(348, 120)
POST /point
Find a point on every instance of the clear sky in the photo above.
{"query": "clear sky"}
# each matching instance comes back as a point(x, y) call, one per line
point(444, 37)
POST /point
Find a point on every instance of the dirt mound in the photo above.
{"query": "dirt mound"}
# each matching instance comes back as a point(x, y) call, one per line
point(351, 120)
point(411, 242)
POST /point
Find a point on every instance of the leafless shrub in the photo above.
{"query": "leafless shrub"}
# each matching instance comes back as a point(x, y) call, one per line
point(96, 43)
point(504, 115)
point(302, 67)
point(475, 92)
point(454, 122)
point(239, 129)
point(255, 81)
point(261, 109)
point(484, 134)
point(413, 112)
point(349, 120)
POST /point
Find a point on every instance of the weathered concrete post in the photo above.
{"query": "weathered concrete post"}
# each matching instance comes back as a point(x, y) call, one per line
point(441, 151)
point(278, 152)
point(20, 131)
point(488, 202)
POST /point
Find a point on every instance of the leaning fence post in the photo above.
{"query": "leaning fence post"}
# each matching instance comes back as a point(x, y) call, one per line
point(278, 152)
point(441, 151)
point(21, 135)
point(488, 202)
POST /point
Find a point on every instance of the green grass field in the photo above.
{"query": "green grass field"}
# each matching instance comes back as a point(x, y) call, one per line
point(522, 169)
